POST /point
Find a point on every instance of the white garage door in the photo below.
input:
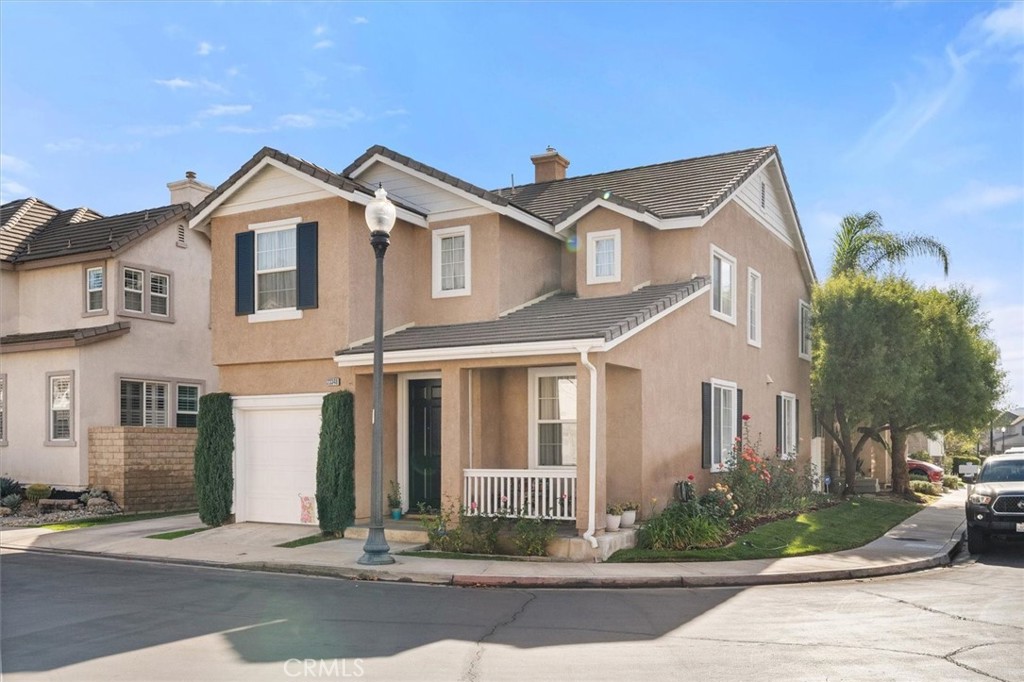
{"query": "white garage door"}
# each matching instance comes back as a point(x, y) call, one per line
point(278, 465)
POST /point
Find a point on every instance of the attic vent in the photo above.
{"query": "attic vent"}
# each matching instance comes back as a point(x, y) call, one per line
point(762, 193)
point(181, 235)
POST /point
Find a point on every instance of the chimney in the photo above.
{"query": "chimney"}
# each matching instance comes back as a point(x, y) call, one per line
point(188, 190)
point(549, 166)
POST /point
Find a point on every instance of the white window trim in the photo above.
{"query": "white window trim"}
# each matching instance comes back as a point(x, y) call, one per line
point(3, 410)
point(102, 310)
point(754, 307)
point(536, 373)
point(275, 315)
point(141, 292)
point(804, 306)
point(172, 384)
point(723, 459)
point(177, 396)
point(592, 239)
point(789, 443)
point(267, 228)
point(437, 237)
point(70, 440)
point(722, 255)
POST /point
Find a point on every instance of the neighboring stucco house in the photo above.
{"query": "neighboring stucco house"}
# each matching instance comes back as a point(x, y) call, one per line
point(556, 346)
point(104, 323)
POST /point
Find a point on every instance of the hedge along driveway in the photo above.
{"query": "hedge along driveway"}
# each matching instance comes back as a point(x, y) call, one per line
point(850, 524)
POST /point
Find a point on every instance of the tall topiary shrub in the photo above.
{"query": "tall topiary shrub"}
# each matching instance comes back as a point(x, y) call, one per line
point(335, 463)
point(215, 444)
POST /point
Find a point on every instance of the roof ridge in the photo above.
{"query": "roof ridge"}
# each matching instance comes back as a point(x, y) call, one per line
point(27, 203)
point(635, 168)
point(736, 180)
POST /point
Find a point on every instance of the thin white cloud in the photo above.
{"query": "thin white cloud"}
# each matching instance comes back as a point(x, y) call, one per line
point(242, 130)
point(296, 121)
point(320, 30)
point(226, 110)
point(323, 44)
point(77, 144)
point(204, 48)
point(11, 190)
point(1004, 25)
point(395, 112)
point(70, 145)
point(977, 196)
point(12, 164)
point(175, 83)
point(232, 71)
point(360, 20)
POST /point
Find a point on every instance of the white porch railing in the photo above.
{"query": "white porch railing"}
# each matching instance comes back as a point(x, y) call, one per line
point(527, 492)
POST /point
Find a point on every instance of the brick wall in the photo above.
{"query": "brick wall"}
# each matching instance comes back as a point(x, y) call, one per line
point(144, 468)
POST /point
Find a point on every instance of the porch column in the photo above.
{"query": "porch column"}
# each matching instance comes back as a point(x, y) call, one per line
point(454, 433)
point(583, 417)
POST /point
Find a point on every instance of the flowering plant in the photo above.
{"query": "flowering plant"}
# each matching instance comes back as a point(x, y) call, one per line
point(763, 483)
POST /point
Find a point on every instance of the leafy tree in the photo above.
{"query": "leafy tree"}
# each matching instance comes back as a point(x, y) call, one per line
point(859, 364)
point(862, 245)
point(215, 445)
point(335, 464)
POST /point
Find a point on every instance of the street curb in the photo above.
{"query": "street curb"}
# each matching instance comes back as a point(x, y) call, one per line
point(942, 558)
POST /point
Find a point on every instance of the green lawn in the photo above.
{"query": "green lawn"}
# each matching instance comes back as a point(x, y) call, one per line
point(308, 540)
point(175, 534)
point(850, 524)
point(113, 518)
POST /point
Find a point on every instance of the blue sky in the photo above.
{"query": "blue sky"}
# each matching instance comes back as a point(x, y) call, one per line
point(915, 110)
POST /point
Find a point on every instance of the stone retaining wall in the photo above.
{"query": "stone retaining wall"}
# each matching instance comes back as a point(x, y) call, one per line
point(144, 468)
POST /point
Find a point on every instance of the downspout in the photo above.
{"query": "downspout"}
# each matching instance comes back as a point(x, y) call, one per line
point(592, 483)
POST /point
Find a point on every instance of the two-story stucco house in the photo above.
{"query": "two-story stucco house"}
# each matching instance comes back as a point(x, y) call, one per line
point(553, 347)
point(104, 322)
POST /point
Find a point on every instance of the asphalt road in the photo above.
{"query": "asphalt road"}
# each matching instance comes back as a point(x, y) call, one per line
point(68, 618)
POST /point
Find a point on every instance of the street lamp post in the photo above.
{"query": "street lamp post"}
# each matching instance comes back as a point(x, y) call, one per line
point(1002, 446)
point(380, 218)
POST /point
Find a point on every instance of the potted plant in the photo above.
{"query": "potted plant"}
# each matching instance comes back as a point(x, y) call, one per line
point(629, 510)
point(613, 517)
point(395, 500)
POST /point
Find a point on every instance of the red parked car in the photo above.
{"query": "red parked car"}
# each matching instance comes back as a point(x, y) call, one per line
point(932, 471)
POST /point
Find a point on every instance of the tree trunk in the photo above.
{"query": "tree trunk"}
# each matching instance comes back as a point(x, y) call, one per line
point(898, 457)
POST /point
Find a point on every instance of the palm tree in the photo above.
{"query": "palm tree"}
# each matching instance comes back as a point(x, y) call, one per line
point(862, 245)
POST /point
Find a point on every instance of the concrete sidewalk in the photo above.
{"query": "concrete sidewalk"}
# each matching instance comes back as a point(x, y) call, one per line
point(925, 540)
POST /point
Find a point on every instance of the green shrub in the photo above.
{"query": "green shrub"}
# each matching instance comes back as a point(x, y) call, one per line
point(951, 482)
point(38, 491)
point(442, 535)
point(920, 456)
point(763, 484)
point(957, 460)
point(215, 444)
point(917, 476)
point(683, 525)
point(8, 486)
point(480, 533)
point(531, 536)
point(335, 463)
point(926, 488)
point(12, 501)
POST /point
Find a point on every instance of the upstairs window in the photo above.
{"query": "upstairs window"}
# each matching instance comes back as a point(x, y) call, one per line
point(133, 290)
point(159, 293)
point(805, 330)
point(95, 290)
point(451, 262)
point(753, 307)
point(604, 257)
point(145, 293)
point(723, 285)
point(276, 270)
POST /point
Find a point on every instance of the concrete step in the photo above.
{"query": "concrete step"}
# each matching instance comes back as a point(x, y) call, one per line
point(394, 531)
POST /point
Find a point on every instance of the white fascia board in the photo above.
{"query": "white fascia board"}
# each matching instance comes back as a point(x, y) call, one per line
point(292, 401)
point(647, 323)
point(787, 196)
point(682, 223)
point(199, 220)
point(509, 211)
point(498, 350)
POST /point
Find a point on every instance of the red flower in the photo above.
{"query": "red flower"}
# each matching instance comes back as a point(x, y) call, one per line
point(690, 477)
point(745, 417)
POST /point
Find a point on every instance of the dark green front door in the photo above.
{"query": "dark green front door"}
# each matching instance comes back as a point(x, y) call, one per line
point(425, 443)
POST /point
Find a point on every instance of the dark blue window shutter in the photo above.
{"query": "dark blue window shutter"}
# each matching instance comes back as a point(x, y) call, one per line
point(306, 266)
point(705, 431)
point(245, 273)
point(778, 424)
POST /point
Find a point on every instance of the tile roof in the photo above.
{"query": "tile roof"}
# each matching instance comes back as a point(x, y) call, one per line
point(19, 220)
point(71, 337)
point(341, 181)
point(561, 317)
point(688, 187)
point(82, 230)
